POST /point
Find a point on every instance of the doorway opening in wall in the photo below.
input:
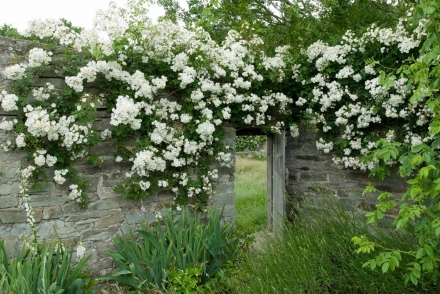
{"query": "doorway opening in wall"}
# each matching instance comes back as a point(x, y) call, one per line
point(251, 183)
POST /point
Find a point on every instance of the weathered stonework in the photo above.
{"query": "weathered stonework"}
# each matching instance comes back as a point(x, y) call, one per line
point(109, 213)
point(312, 175)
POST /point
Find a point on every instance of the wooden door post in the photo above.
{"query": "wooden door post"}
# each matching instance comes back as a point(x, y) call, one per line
point(276, 204)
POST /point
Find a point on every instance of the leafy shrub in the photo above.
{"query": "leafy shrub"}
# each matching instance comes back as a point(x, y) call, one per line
point(11, 32)
point(248, 143)
point(185, 255)
point(419, 207)
point(251, 145)
point(315, 255)
point(42, 269)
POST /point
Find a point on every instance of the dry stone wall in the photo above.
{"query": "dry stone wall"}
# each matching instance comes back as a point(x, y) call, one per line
point(312, 176)
point(109, 213)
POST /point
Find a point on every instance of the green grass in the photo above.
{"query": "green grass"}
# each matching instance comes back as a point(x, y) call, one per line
point(313, 255)
point(316, 255)
point(251, 195)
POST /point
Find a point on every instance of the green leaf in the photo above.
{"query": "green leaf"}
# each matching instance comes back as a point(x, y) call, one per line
point(420, 253)
point(428, 9)
point(417, 266)
point(427, 157)
point(435, 143)
point(373, 264)
point(437, 231)
point(120, 273)
point(428, 250)
point(416, 149)
point(416, 273)
point(414, 279)
point(385, 267)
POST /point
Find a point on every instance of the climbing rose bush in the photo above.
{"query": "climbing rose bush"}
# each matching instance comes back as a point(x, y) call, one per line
point(169, 88)
point(345, 98)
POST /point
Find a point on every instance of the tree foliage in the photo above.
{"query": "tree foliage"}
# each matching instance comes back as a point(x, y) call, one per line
point(292, 22)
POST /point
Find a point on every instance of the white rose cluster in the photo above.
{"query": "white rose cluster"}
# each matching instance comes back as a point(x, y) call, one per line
point(205, 130)
point(43, 93)
point(125, 112)
point(41, 158)
point(8, 101)
point(75, 193)
point(38, 57)
point(59, 176)
point(341, 96)
point(15, 72)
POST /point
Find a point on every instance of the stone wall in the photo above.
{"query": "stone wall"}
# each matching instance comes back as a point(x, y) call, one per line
point(312, 176)
point(109, 213)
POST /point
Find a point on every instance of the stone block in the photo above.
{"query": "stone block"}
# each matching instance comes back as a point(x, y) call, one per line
point(348, 204)
point(364, 206)
point(228, 214)
point(58, 83)
point(69, 232)
point(224, 188)
point(224, 199)
point(99, 235)
point(103, 248)
point(104, 148)
point(392, 188)
point(165, 200)
point(136, 217)
point(13, 216)
point(110, 220)
point(70, 242)
point(112, 203)
point(19, 229)
point(12, 246)
point(308, 176)
point(8, 201)
point(42, 187)
point(222, 170)
point(112, 180)
point(10, 188)
point(85, 214)
point(103, 266)
point(224, 179)
point(107, 166)
point(353, 194)
point(44, 200)
point(9, 171)
point(38, 214)
point(92, 183)
point(82, 224)
point(71, 207)
point(106, 193)
point(348, 185)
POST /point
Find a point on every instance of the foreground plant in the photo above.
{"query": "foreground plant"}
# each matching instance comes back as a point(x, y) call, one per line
point(419, 207)
point(42, 269)
point(315, 255)
point(189, 255)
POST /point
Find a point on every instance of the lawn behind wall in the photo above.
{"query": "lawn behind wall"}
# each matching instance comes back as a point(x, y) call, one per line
point(251, 194)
